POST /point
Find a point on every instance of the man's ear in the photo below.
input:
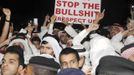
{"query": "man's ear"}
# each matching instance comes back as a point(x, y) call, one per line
point(81, 61)
point(21, 70)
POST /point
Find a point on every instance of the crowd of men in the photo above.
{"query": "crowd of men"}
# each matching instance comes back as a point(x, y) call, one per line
point(67, 51)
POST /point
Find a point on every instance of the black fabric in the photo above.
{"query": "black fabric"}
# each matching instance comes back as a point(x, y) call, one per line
point(113, 65)
point(127, 47)
point(71, 71)
point(44, 61)
point(42, 70)
point(81, 50)
point(20, 36)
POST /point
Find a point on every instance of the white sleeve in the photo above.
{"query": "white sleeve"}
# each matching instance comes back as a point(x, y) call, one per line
point(77, 39)
point(100, 47)
point(70, 30)
point(22, 31)
point(118, 37)
point(50, 30)
point(34, 50)
point(129, 40)
point(116, 42)
point(44, 30)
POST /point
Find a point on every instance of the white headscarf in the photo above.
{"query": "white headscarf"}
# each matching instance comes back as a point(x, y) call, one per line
point(100, 46)
point(55, 45)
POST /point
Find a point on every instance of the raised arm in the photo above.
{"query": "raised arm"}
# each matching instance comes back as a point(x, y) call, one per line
point(69, 29)
point(99, 16)
point(94, 26)
point(46, 21)
point(51, 24)
point(30, 29)
point(5, 29)
point(11, 30)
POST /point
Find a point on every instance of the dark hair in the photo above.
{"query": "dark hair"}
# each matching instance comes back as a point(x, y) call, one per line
point(35, 38)
point(16, 50)
point(68, 50)
point(44, 42)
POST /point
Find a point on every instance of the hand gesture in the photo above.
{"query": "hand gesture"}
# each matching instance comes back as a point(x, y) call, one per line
point(7, 11)
point(30, 28)
point(47, 17)
point(99, 16)
point(53, 18)
point(128, 32)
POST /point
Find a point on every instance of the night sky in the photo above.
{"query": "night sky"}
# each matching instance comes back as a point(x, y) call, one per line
point(23, 10)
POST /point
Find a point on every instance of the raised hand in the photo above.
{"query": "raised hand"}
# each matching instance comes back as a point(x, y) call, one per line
point(99, 16)
point(53, 18)
point(30, 28)
point(7, 12)
point(130, 28)
point(47, 17)
point(128, 32)
point(130, 23)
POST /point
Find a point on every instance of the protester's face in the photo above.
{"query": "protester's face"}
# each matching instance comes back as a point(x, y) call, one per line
point(64, 38)
point(115, 30)
point(46, 49)
point(69, 61)
point(69, 43)
point(37, 44)
point(55, 32)
point(10, 64)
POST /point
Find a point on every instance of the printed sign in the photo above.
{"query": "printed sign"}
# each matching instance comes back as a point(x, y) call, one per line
point(77, 11)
